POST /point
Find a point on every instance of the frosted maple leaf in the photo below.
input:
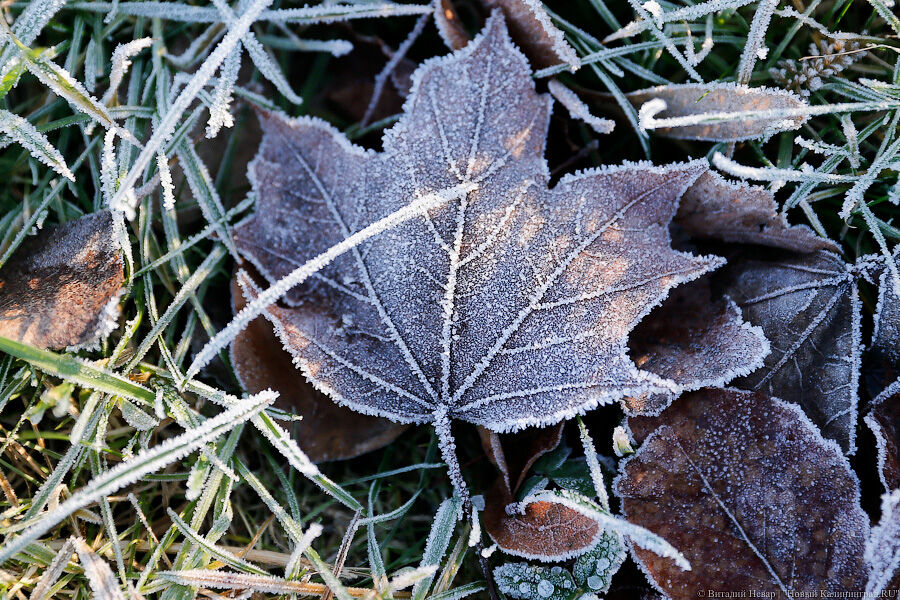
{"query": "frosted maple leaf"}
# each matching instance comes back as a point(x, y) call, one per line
point(509, 305)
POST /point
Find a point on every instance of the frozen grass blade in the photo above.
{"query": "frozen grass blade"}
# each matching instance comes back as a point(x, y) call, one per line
point(103, 581)
point(76, 370)
point(144, 462)
point(35, 142)
point(445, 520)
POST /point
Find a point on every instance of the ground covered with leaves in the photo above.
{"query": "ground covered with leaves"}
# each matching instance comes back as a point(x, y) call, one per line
point(462, 298)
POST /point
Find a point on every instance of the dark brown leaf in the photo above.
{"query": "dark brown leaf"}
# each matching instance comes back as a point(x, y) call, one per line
point(884, 421)
point(808, 307)
point(529, 25)
point(61, 287)
point(694, 341)
point(327, 431)
point(546, 530)
point(746, 487)
point(739, 213)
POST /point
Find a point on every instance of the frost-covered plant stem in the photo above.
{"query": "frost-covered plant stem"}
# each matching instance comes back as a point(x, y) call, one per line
point(448, 452)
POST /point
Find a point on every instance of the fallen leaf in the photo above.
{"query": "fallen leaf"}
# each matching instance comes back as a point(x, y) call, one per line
point(61, 287)
point(808, 307)
point(449, 26)
point(543, 530)
point(530, 27)
point(507, 307)
point(525, 448)
point(884, 421)
point(694, 341)
point(752, 494)
point(738, 112)
point(327, 431)
point(883, 550)
point(739, 213)
point(884, 351)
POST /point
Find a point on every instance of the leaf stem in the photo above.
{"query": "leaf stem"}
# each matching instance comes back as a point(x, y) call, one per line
point(448, 452)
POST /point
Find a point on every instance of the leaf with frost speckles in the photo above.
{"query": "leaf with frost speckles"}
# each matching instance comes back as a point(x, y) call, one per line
point(532, 582)
point(735, 212)
point(716, 112)
point(883, 549)
point(327, 431)
point(749, 490)
point(885, 347)
point(61, 287)
point(884, 421)
point(809, 309)
point(594, 569)
point(696, 342)
point(507, 306)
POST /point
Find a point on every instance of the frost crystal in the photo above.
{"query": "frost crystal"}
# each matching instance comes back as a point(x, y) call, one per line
point(883, 548)
point(521, 580)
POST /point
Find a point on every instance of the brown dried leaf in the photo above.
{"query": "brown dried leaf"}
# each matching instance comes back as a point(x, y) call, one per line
point(327, 431)
point(884, 421)
point(695, 99)
point(546, 530)
point(746, 487)
point(808, 307)
point(525, 447)
point(739, 213)
point(61, 287)
point(449, 26)
point(694, 341)
point(529, 25)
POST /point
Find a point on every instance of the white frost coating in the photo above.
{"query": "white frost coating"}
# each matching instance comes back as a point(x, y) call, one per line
point(561, 47)
point(881, 436)
point(621, 443)
point(312, 532)
point(120, 64)
point(590, 456)
point(100, 577)
point(53, 571)
point(475, 533)
point(685, 13)
point(220, 109)
point(37, 144)
point(533, 582)
point(808, 308)
point(146, 461)
point(756, 39)
point(723, 163)
point(259, 56)
point(578, 109)
point(883, 547)
point(230, 580)
point(165, 181)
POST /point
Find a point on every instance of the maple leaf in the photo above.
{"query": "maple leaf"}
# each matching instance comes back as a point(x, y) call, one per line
point(328, 431)
point(746, 486)
point(808, 307)
point(61, 287)
point(696, 342)
point(509, 304)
